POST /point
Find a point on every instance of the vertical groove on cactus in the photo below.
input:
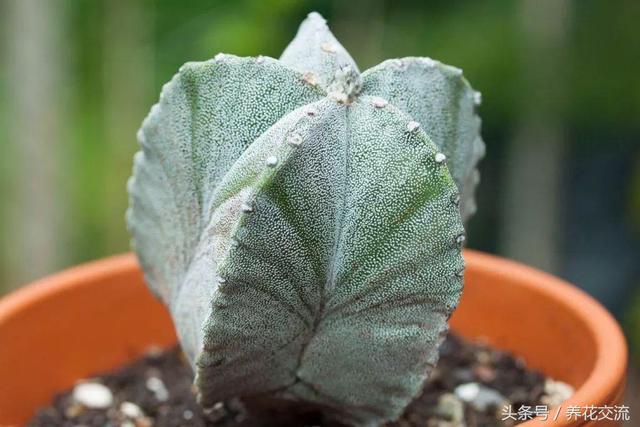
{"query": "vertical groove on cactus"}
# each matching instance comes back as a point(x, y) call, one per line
point(302, 222)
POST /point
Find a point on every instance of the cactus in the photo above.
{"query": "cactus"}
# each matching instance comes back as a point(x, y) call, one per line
point(303, 221)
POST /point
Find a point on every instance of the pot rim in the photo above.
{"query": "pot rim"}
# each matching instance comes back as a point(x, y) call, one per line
point(84, 274)
point(603, 384)
point(607, 376)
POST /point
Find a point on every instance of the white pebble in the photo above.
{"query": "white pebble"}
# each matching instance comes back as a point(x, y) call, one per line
point(412, 126)
point(215, 413)
point(479, 396)
point(440, 157)
point(467, 392)
point(556, 392)
point(131, 410)
point(93, 395)
point(156, 385)
point(451, 408)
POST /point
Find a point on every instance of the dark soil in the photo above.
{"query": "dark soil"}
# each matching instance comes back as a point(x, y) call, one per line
point(461, 362)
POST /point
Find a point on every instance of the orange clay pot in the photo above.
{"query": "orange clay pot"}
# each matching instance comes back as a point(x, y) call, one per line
point(99, 316)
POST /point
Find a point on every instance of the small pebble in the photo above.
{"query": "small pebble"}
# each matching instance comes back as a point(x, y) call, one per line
point(450, 408)
point(479, 396)
point(216, 412)
point(484, 373)
point(468, 391)
point(157, 387)
point(556, 392)
point(483, 357)
point(131, 410)
point(144, 422)
point(93, 395)
point(74, 409)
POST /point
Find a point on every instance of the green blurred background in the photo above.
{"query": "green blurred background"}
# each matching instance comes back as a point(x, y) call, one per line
point(561, 118)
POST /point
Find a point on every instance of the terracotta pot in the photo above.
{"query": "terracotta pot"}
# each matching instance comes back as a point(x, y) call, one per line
point(98, 316)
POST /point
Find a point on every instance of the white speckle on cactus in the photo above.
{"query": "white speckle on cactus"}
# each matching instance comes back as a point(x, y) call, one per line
point(440, 157)
point(328, 47)
point(260, 59)
point(477, 98)
point(459, 273)
point(310, 78)
point(428, 62)
point(338, 96)
point(272, 161)
point(93, 395)
point(399, 63)
point(379, 102)
point(413, 126)
point(221, 280)
point(219, 56)
point(460, 238)
point(247, 208)
point(456, 199)
point(294, 139)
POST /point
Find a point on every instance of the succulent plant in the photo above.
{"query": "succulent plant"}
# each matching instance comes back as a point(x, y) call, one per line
point(303, 221)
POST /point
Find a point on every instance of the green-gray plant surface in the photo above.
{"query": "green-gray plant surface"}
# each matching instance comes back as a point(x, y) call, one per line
point(303, 221)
